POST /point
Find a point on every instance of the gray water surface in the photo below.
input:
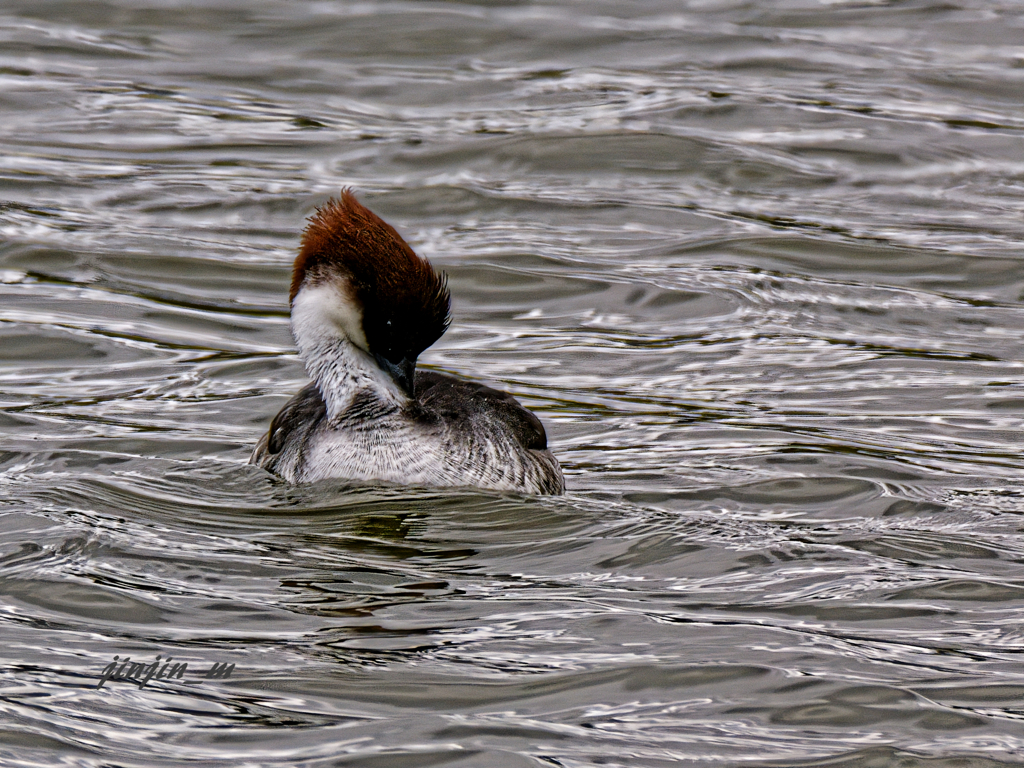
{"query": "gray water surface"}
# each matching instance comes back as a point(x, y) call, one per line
point(757, 266)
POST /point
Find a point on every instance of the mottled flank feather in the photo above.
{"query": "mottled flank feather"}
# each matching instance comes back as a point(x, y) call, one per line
point(454, 433)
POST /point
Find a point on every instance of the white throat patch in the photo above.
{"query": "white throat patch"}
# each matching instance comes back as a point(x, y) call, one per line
point(328, 309)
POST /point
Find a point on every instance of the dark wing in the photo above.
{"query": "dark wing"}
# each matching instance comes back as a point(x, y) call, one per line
point(299, 417)
point(455, 400)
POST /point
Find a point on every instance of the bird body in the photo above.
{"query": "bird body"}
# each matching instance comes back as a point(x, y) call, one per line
point(363, 307)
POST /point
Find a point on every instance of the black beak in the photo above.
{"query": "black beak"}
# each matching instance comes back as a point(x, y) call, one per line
point(403, 373)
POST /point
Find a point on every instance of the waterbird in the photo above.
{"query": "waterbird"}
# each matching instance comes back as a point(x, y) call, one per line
point(364, 306)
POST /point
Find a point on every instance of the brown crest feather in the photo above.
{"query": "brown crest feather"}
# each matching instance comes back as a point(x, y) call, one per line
point(405, 302)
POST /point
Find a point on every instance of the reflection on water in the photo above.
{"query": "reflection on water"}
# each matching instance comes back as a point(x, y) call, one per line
point(757, 268)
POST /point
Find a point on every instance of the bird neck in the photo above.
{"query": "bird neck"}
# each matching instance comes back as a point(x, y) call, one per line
point(322, 329)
